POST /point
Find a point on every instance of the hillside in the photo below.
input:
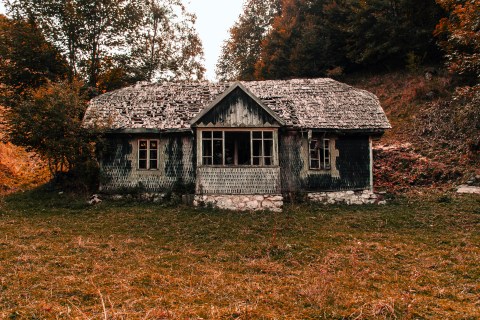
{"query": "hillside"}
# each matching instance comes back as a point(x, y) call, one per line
point(428, 146)
point(432, 142)
point(19, 170)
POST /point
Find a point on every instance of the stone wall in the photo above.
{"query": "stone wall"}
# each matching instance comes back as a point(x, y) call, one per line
point(241, 202)
point(347, 197)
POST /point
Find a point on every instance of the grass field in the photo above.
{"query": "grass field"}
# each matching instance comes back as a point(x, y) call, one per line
point(411, 259)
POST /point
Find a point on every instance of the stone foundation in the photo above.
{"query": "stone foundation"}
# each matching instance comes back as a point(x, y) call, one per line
point(347, 197)
point(241, 202)
point(148, 197)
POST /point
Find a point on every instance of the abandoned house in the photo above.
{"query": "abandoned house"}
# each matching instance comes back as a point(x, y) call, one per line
point(243, 145)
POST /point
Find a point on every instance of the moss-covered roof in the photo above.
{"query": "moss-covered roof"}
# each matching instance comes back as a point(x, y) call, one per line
point(300, 103)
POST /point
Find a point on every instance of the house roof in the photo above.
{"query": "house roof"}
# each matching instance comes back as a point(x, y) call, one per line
point(300, 103)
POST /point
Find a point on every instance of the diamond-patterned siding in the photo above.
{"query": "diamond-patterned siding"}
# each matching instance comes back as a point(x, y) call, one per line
point(120, 165)
point(243, 180)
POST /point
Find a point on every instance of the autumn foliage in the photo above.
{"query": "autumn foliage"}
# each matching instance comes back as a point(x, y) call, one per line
point(459, 36)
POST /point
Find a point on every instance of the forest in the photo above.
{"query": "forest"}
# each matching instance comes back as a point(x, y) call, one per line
point(56, 55)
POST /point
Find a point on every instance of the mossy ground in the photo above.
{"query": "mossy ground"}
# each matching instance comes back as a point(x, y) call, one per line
point(410, 259)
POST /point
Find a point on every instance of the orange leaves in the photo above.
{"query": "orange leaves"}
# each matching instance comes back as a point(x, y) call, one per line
point(459, 36)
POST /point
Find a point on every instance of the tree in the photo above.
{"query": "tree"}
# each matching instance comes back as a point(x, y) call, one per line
point(310, 38)
point(49, 123)
point(166, 44)
point(274, 60)
point(383, 32)
point(27, 60)
point(459, 37)
point(89, 33)
point(241, 51)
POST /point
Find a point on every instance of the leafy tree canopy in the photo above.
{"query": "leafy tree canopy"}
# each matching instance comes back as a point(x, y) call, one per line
point(140, 40)
point(242, 50)
point(27, 59)
point(311, 38)
point(459, 37)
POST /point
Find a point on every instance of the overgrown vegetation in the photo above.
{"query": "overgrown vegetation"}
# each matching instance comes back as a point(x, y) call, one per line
point(56, 55)
point(411, 259)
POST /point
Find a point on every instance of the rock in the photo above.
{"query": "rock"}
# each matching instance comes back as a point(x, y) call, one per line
point(252, 205)
point(350, 192)
point(470, 182)
point(383, 202)
point(267, 204)
point(276, 198)
point(94, 199)
point(468, 189)
point(258, 198)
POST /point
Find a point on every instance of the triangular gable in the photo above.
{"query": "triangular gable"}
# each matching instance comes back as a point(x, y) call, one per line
point(237, 107)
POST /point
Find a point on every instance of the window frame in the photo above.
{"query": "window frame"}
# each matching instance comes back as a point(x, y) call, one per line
point(323, 154)
point(274, 147)
point(148, 159)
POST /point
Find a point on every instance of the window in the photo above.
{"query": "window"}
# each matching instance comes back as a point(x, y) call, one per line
point(148, 154)
point(319, 154)
point(262, 148)
point(212, 147)
point(237, 148)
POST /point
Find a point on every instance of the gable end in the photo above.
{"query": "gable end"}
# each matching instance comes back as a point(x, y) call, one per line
point(237, 107)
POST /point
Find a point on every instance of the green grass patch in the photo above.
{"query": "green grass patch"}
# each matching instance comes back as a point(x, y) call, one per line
point(411, 259)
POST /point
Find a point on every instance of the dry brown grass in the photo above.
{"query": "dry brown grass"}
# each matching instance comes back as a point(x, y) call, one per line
point(19, 170)
point(404, 95)
point(408, 260)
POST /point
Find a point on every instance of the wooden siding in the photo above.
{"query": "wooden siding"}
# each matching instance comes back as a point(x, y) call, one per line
point(119, 165)
point(237, 110)
point(350, 164)
point(238, 180)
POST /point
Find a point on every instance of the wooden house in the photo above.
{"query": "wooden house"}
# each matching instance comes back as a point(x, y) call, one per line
point(242, 145)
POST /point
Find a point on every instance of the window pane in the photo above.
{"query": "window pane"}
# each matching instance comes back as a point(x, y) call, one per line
point(153, 144)
point(230, 138)
point(313, 144)
point(243, 148)
point(257, 134)
point(326, 144)
point(257, 148)
point(327, 159)
point(218, 152)
point(143, 144)
point(142, 154)
point(267, 148)
point(314, 164)
point(268, 135)
point(153, 164)
point(153, 154)
point(207, 148)
point(207, 161)
point(268, 161)
point(206, 134)
point(256, 161)
point(314, 155)
point(217, 135)
point(142, 164)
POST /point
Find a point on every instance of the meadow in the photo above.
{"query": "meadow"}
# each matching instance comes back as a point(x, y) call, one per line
point(414, 258)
